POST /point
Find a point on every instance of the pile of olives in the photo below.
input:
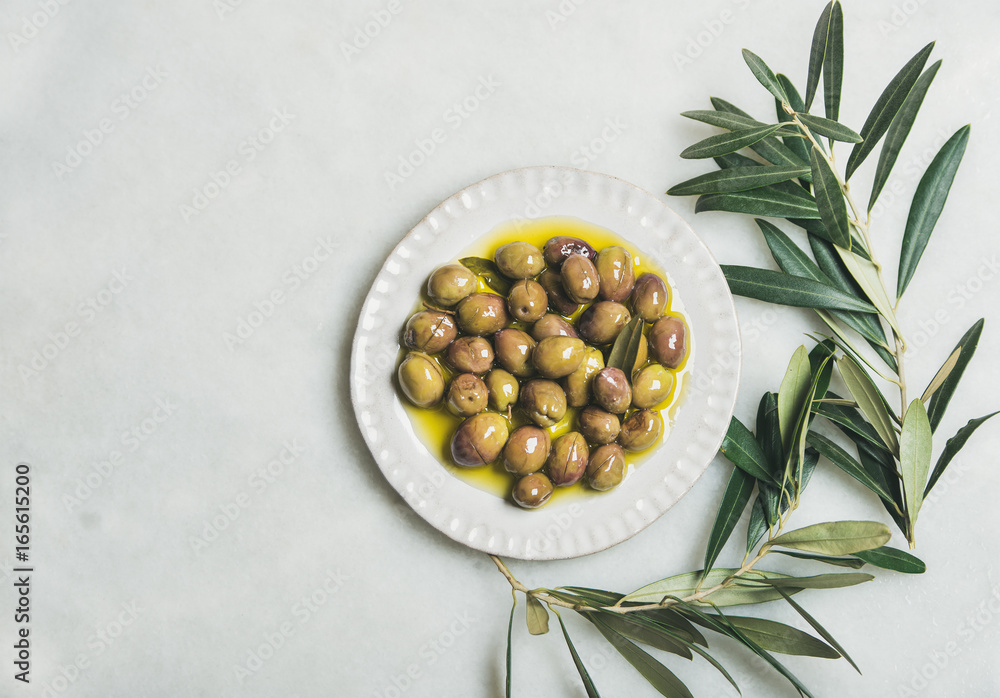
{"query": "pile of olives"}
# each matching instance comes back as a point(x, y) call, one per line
point(515, 367)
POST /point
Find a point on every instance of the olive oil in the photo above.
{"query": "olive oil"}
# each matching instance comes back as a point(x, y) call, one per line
point(436, 426)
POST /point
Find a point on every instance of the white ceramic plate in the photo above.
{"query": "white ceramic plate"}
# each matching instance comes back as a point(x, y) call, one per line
point(565, 527)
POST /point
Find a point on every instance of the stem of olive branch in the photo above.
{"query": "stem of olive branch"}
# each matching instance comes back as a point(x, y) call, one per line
point(543, 595)
point(862, 224)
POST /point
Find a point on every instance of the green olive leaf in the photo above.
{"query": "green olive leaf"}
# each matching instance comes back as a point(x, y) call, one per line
point(724, 143)
point(661, 678)
point(951, 448)
point(830, 200)
point(849, 419)
point(746, 591)
point(796, 144)
point(892, 559)
point(722, 119)
point(757, 525)
point(626, 343)
point(835, 537)
point(639, 629)
point(939, 401)
point(914, 457)
point(792, 394)
point(833, 63)
point(817, 53)
point(778, 637)
point(736, 179)
point(831, 129)
point(928, 202)
point(487, 270)
point(764, 201)
point(786, 289)
point(823, 633)
point(769, 433)
point(588, 683)
point(869, 401)
point(843, 460)
point(765, 76)
point(770, 148)
point(899, 129)
point(742, 449)
point(510, 627)
point(942, 375)
point(885, 108)
point(851, 562)
point(537, 617)
point(734, 501)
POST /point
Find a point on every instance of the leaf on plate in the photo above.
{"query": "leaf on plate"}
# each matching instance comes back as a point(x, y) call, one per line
point(630, 335)
point(488, 271)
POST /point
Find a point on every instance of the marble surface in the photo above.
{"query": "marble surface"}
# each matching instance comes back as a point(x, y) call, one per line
point(196, 197)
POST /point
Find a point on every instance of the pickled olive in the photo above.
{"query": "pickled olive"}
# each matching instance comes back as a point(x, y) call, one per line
point(650, 297)
point(577, 384)
point(470, 355)
point(467, 395)
point(557, 249)
point(514, 349)
point(527, 450)
point(527, 300)
point(606, 468)
point(421, 380)
point(502, 388)
point(602, 322)
point(543, 401)
point(598, 426)
point(641, 430)
point(668, 341)
point(651, 386)
point(551, 281)
point(429, 331)
point(482, 314)
point(612, 391)
point(519, 260)
point(579, 278)
point(615, 273)
point(552, 325)
point(532, 491)
point(568, 459)
point(479, 439)
point(555, 357)
point(449, 284)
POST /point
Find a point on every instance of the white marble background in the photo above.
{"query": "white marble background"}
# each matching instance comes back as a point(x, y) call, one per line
point(147, 424)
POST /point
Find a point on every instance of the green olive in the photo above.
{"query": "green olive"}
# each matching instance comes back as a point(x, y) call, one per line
point(519, 260)
point(467, 395)
point(579, 278)
point(482, 314)
point(557, 249)
point(651, 386)
point(602, 322)
point(551, 281)
point(668, 341)
point(479, 439)
point(532, 491)
point(615, 272)
point(449, 284)
point(650, 297)
point(598, 426)
point(527, 450)
point(421, 379)
point(641, 430)
point(606, 468)
point(514, 349)
point(543, 401)
point(555, 357)
point(552, 325)
point(470, 355)
point(612, 391)
point(527, 300)
point(503, 389)
point(577, 384)
point(430, 331)
point(568, 459)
